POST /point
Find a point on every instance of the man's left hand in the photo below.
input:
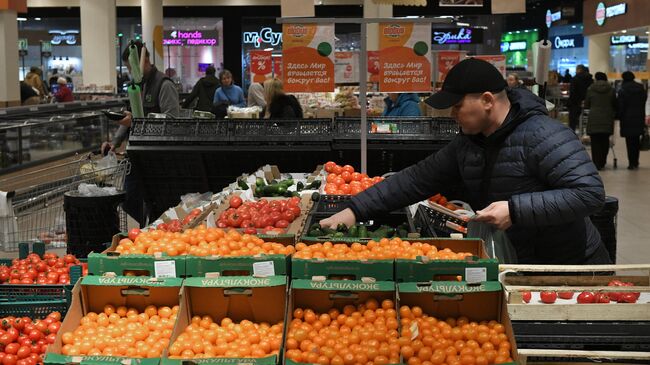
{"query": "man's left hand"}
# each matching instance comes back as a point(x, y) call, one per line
point(496, 214)
point(126, 121)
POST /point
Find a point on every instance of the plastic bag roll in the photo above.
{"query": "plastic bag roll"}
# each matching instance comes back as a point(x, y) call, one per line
point(542, 57)
point(134, 62)
point(136, 101)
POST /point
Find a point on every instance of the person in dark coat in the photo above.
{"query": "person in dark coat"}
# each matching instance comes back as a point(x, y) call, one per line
point(567, 77)
point(577, 93)
point(204, 90)
point(631, 112)
point(528, 175)
point(601, 102)
point(278, 104)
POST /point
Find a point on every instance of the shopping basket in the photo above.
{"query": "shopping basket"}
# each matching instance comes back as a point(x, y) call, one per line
point(31, 204)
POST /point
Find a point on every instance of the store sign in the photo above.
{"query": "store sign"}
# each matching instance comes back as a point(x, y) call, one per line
point(552, 17)
point(405, 57)
point(568, 41)
point(265, 36)
point(308, 57)
point(261, 65)
point(22, 46)
point(638, 45)
point(457, 36)
point(623, 39)
point(603, 12)
point(191, 38)
point(68, 37)
point(446, 61)
point(46, 49)
point(514, 46)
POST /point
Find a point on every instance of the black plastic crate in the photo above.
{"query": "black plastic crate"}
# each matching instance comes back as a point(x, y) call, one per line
point(432, 223)
point(330, 204)
point(605, 222)
point(444, 129)
point(178, 131)
point(405, 128)
point(280, 130)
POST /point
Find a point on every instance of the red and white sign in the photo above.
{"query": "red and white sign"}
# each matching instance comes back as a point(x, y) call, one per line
point(447, 60)
point(346, 68)
point(261, 67)
point(498, 61)
point(373, 66)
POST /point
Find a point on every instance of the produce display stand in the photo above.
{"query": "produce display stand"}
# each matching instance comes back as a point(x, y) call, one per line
point(617, 328)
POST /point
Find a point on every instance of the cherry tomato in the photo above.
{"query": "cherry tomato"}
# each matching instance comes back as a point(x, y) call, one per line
point(235, 202)
point(23, 352)
point(548, 297)
point(565, 294)
point(36, 335)
point(525, 296)
point(12, 348)
point(9, 359)
point(288, 216)
point(281, 224)
point(133, 233)
point(586, 297)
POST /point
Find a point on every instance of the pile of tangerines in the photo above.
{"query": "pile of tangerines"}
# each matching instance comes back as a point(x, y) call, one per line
point(122, 331)
point(200, 241)
point(204, 338)
point(385, 249)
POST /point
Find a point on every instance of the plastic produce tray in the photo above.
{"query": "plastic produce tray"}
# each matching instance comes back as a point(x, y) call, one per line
point(404, 128)
point(179, 131)
point(33, 310)
point(289, 130)
point(444, 128)
point(433, 223)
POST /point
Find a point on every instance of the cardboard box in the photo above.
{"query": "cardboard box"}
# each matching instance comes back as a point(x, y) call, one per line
point(382, 270)
point(92, 293)
point(478, 268)
point(239, 265)
point(444, 299)
point(110, 261)
point(321, 296)
point(239, 298)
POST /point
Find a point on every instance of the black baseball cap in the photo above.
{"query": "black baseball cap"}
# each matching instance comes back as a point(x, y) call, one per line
point(470, 76)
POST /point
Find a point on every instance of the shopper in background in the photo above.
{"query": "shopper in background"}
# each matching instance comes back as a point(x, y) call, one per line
point(32, 79)
point(402, 105)
point(523, 172)
point(631, 112)
point(567, 77)
point(227, 94)
point(28, 94)
point(204, 90)
point(601, 102)
point(577, 93)
point(256, 95)
point(39, 72)
point(64, 94)
point(514, 82)
point(159, 95)
point(278, 104)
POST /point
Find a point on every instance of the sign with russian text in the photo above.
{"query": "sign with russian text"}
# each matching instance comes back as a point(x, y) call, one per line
point(308, 57)
point(346, 68)
point(404, 57)
point(191, 38)
point(446, 61)
point(457, 36)
point(261, 65)
point(373, 66)
point(498, 61)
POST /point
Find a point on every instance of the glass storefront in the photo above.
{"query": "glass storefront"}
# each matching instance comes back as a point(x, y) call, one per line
point(629, 50)
point(516, 46)
point(569, 48)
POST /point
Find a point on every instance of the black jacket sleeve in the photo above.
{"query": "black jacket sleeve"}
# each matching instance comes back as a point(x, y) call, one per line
point(428, 177)
point(575, 190)
point(193, 95)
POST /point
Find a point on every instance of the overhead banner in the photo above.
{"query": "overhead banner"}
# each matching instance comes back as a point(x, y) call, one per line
point(277, 67)
point(373, 66)
point(404, 57)
point(346, 67)
point(308, 57)
point(447, 60)
point(261, 65)
point(498, 61)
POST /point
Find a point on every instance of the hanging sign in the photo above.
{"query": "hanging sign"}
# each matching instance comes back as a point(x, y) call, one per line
point(308, 57)
point(261, 65)
point(277, 67)
point(373, 66)
point(345, 67)
point(446, 61)
point(404, 57)
point(498, 61)
point(46, 49)
point(22, 47)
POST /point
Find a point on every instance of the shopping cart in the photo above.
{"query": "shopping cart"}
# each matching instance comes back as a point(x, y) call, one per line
point(31, 204)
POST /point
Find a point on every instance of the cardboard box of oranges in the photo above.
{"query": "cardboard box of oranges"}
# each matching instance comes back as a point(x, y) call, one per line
point(111, 261)
point(454, 322)
point(229, 320)
point(451, 258)
point(341, 322)
point(113, 319)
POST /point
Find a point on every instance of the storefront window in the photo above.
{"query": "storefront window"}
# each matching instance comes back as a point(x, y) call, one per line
point(516, 46)
point(630, 56)
point(569, 48)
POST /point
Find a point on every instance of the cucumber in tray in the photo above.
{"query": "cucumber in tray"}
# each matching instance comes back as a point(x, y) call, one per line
point(274, 188)
point(358, 231)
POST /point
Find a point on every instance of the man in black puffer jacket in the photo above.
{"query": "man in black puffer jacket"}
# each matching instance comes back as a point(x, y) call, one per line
point(529, 174)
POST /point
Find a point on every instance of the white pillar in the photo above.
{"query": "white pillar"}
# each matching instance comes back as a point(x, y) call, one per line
point(98, 50)
point(372, 10)
point(599, 53)
point(152, 28)
point(9, 83)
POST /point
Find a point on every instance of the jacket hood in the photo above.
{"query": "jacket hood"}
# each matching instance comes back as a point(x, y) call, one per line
point(210, 81)
point(601, 86)
point(406, 97)
point(523, 105)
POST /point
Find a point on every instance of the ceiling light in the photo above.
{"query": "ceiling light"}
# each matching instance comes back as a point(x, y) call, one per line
point(21, 19)
point(38, 19)
point(268, 49)
point(573, 26)
point(624, 31)
point(462, 24)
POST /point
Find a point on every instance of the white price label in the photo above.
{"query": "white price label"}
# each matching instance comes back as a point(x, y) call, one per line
point(415, 330)
point(263, 269)
point(165, 269)
point(475, 275)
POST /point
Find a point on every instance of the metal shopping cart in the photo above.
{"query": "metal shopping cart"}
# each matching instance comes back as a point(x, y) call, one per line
point(31, 204)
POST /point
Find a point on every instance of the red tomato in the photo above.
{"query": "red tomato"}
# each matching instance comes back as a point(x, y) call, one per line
point(294, 209)
point(329, 166)
point(601, 298)
point(548, 297)
point(235, 202)
point(356, 176)
point(36, 335)
point(235, 220)
point(565, 294)
point(346, 176)
point(288, 216)
point(627, 298)
point(276, 216)
point(13, 334)
point(162, 227)
point(337, 170)
point(348, 168)
point(250, 230)
point(9, 359)
point(586, 297)
point(346, 189)
point(54, 327)
point(12, 348)
point(19, 324)
point(133, 233)
point(281, 224)
point(247, 223)
point(525, 295)
point(23, 352)
point(55, 315)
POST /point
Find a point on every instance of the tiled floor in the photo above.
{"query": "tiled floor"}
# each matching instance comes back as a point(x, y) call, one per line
point(632, 188)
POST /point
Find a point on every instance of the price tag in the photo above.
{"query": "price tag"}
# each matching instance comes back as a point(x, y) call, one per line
point(210, 221)
point(263, 269)
point(415, 331)
point(165, 269)
point(475, 275)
